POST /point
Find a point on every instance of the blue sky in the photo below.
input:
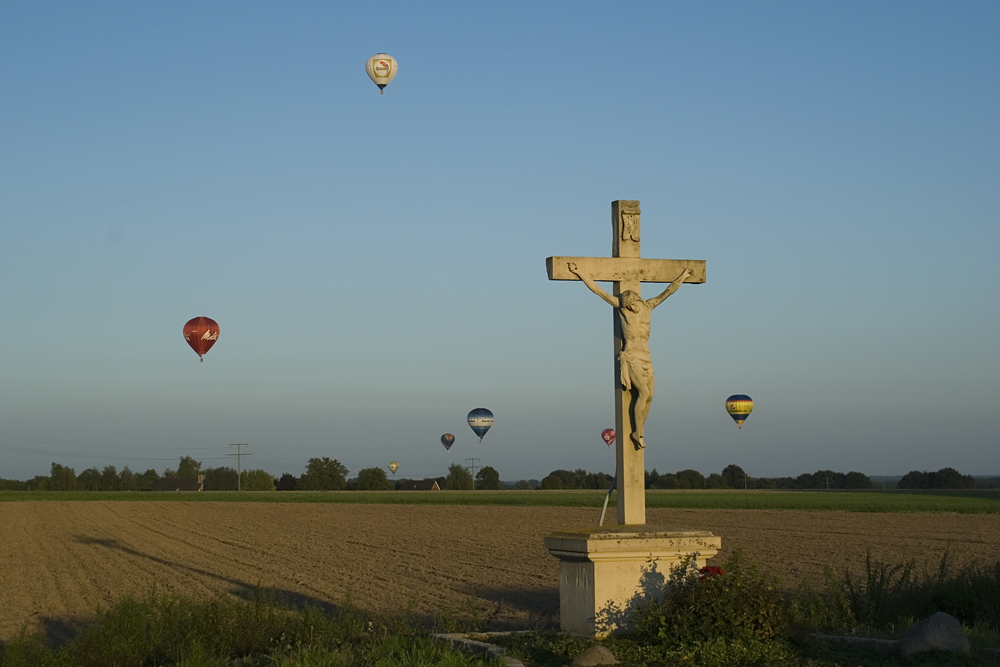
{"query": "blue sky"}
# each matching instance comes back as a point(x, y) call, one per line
point(376, 262)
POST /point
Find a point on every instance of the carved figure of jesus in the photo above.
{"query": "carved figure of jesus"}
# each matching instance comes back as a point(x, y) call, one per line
point(635, 361)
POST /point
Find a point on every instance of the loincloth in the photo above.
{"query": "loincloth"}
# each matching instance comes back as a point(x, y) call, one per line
point(632, 363)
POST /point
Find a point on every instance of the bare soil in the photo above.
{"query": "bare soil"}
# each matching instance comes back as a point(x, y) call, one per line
point(62, 561)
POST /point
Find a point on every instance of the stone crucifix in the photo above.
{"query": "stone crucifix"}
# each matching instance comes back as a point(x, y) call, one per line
point(634, 382)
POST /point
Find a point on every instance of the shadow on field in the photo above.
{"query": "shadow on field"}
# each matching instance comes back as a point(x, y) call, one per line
point(510, 608)
point(488, 608)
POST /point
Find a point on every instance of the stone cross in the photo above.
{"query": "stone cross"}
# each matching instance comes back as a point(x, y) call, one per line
point(627, 271)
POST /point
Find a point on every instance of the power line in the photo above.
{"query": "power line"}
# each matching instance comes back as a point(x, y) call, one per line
point(239, 456)
point(473, 468)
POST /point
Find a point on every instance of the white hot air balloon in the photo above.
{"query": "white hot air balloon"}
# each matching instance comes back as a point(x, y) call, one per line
point(381, 67)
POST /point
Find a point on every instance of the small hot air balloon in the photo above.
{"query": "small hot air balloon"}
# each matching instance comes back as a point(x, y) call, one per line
point(480, 420)
point(608, 436)
point(201, 334)
point(447, 440)
point(739, 407)
point(393, 467)
point(381, 68)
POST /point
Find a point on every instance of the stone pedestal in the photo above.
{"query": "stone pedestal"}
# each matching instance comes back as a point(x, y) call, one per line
point(604, 573)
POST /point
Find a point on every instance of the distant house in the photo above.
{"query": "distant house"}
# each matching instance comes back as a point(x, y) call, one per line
point(419, 485)
point(180, 484)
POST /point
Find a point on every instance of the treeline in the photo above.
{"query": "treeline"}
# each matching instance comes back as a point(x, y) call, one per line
point(731, 477)
point(321, 474)
point(945, 478)
point(326, 474)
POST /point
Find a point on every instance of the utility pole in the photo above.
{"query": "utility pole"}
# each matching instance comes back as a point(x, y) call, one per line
point(239, 456)
point(472, 466)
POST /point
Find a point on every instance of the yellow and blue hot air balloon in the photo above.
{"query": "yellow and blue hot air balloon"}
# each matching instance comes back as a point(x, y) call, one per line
point(739, 407)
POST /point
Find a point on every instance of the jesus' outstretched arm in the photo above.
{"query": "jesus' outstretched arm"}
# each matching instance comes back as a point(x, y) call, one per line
point(671, 288)
point(613, 300)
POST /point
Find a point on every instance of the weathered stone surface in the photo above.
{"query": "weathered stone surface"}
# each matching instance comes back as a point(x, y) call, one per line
point(595, 655)
point(938, 631)
point(605, 573)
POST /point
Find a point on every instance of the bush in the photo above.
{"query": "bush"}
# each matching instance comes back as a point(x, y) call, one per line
point(256, 480)
point(742, 605)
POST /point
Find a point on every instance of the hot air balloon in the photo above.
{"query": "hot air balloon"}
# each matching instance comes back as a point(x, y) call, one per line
point(480, 420)
point(739, 407)
point(201, 334)
point(381, 68)
point(393, 467)
point(608, 436)
point(447, 440)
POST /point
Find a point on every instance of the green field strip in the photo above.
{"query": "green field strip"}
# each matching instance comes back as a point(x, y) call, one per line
point(963, 502)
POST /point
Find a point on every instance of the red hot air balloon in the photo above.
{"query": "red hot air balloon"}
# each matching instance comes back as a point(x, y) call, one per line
point(608, 436)
point(201, 334)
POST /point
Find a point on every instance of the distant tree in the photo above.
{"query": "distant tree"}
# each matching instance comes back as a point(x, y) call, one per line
point(535, 484)
point(690, 479)
point(652, 479)
point(459, 479)
point(914, 480)
point(488, 479)
point(324, 474)
point(949, 478)
point(148, 479)
point(62, 478)
point(89, 480)
point(442, 482)
point(568, 479)
point(857, 480)
point(256, 480)
point(222, 478)
point(39, 483)
point(373, 479)
point(715, 481)
point(127, 480)
point(734, 476)
point(667, 481)
point(551, 482)
point(13, 485)
point(523, 485)
point(188, 467)
point(288, 482)
point(597, 480)
point(109, 479)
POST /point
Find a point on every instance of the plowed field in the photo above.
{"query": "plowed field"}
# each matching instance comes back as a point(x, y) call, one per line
point(61, 561)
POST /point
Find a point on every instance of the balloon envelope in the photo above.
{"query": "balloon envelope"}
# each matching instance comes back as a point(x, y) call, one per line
point(447, 440)
point(480, 420)
point(393, 467)
point(608, 436)
point(381, 68)
point(201, 334)
point(739, 407)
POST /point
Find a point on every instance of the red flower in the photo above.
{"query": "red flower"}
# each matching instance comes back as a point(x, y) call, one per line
point(709, 571)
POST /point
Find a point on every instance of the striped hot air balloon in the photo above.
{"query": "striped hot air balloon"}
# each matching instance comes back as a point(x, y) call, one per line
point(739, 407)
point(480, 420)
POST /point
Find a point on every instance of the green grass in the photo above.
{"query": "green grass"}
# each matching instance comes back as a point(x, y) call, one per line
point(964, 502)
point(172, 631)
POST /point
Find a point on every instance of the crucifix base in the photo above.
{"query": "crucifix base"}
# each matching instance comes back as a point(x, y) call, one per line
point(605, 573)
